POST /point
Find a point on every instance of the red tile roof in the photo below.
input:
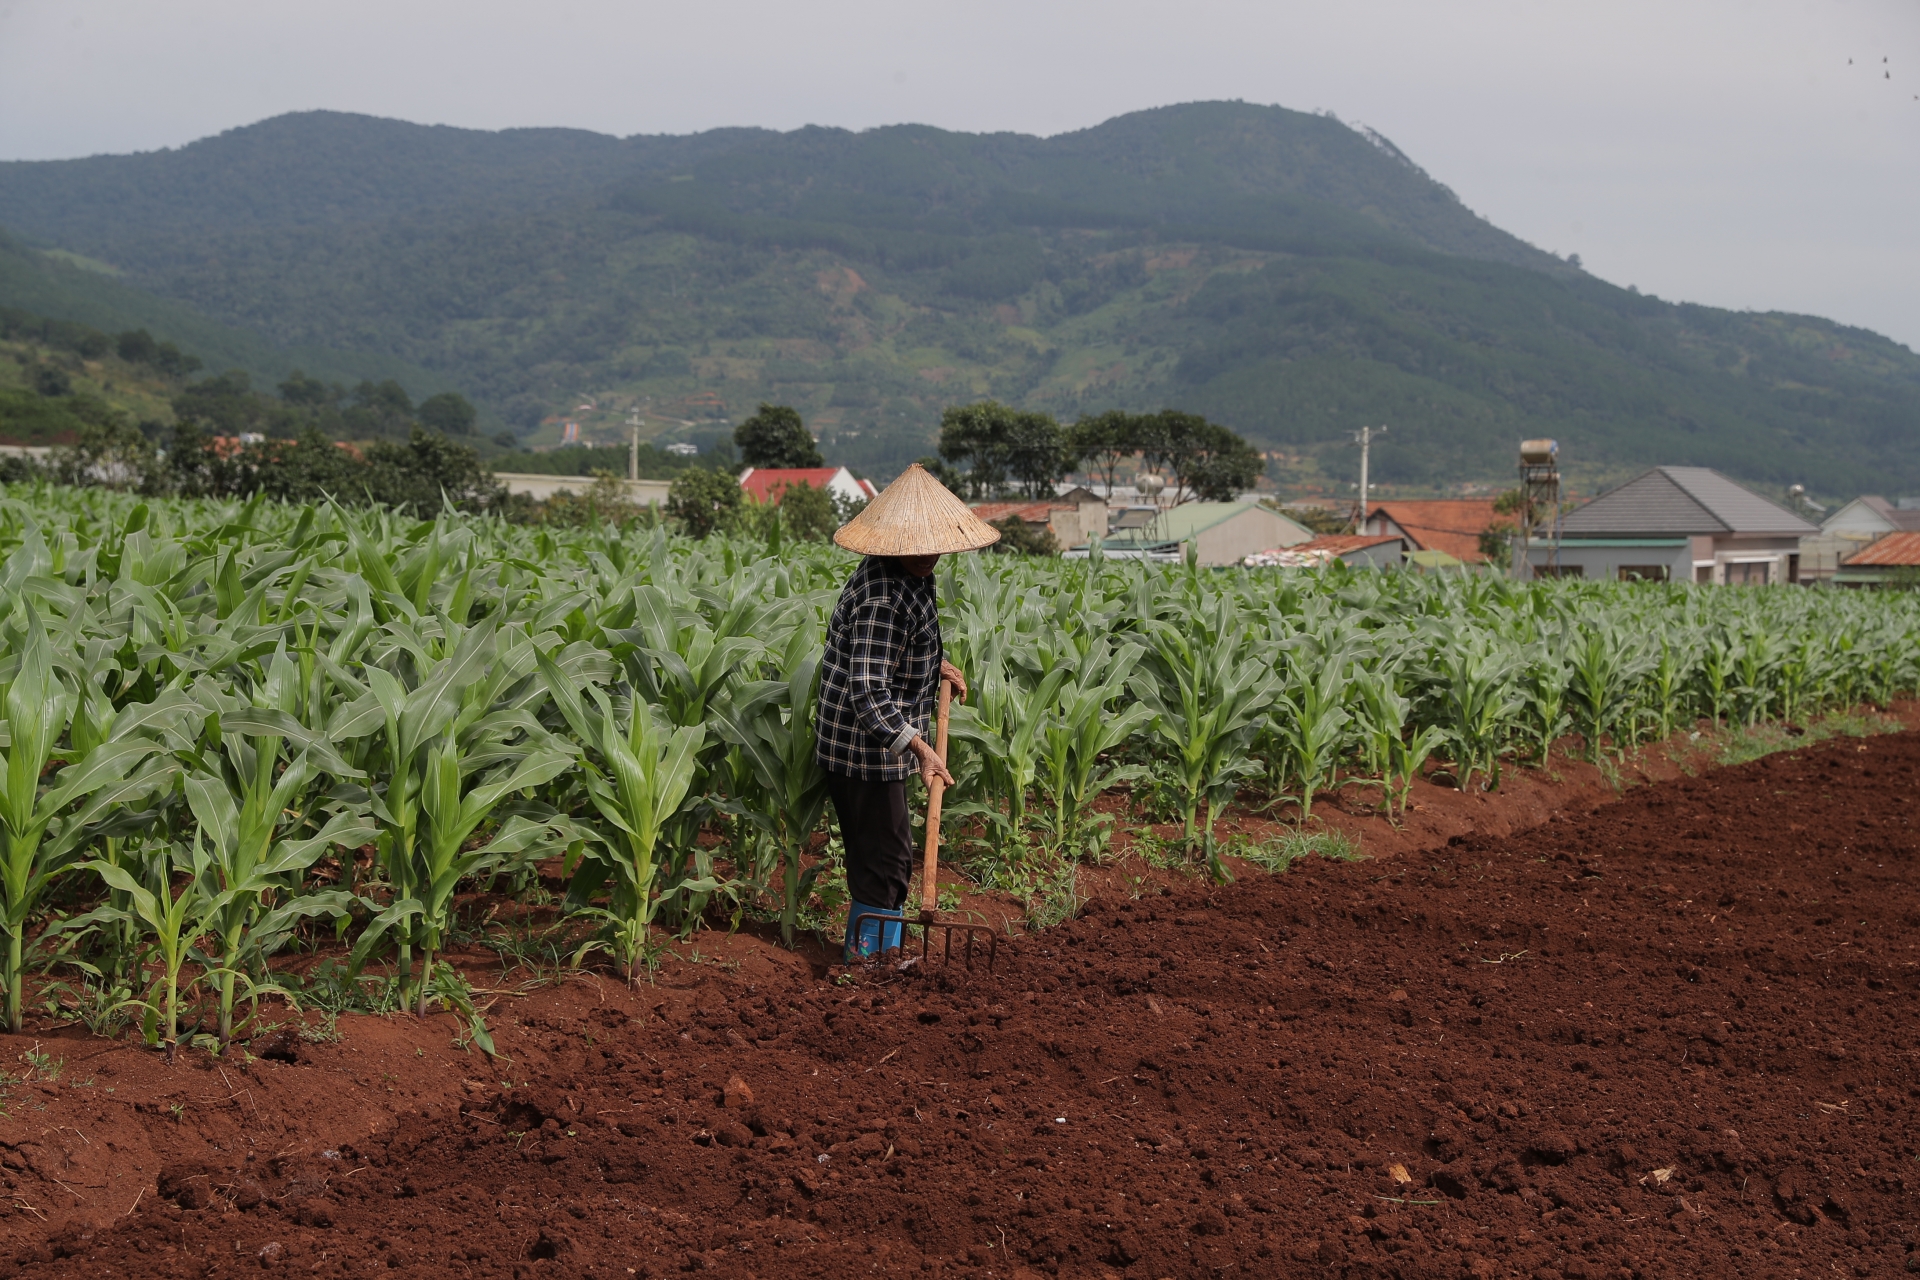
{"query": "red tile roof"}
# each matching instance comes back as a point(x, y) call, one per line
point(766, 484)
point(1452, 525)
point(1895, 549)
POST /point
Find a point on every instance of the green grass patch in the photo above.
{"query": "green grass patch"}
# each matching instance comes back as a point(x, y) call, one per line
point(1277, 853)
point(1750, 742)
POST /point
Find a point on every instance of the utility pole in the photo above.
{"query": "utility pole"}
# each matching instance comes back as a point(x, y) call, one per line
point(1365, 436)
point(633, 447)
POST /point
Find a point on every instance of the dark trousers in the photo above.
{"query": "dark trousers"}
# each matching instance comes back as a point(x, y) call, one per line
point(878, 837)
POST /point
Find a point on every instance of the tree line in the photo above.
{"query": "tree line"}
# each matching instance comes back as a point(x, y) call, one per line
point(989, 450)
point(230, 439)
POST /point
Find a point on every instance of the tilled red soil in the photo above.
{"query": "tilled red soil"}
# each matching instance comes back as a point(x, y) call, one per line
point(1673, 1037)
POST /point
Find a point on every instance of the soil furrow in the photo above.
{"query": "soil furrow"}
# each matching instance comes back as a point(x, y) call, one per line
point(1673, 1036)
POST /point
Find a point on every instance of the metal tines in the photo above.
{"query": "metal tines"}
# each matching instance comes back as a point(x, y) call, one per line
point(928, 923)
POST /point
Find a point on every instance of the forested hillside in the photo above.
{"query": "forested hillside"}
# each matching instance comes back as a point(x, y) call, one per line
point(93, 293)
point(1280, 272)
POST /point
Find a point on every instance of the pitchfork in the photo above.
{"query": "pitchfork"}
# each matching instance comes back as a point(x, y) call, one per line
point(929, 918)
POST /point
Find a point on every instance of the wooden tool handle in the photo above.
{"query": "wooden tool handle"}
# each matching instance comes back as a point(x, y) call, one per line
point(930, 867)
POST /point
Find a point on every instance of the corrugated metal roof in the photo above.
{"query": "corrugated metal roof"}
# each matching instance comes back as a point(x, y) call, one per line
point(1177, 524)
point(1894, 549)
point(1683, 500)
point(1341, 543)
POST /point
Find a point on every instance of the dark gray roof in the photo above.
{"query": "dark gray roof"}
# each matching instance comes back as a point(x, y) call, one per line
point(1682, 500)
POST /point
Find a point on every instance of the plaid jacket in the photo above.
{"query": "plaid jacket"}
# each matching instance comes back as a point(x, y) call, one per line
point(880, 674)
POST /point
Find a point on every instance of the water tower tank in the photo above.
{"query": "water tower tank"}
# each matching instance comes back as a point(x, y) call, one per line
point(1539, 453)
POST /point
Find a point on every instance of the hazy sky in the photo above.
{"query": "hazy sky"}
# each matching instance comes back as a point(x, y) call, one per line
point(1716, 151)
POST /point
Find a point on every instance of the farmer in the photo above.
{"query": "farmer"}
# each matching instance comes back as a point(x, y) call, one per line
point(878, 683)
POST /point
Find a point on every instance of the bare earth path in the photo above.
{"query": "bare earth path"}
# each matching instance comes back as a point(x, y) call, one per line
point(1675, 1037)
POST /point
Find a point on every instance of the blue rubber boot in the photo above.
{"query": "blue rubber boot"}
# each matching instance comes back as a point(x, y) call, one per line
point(872, 931)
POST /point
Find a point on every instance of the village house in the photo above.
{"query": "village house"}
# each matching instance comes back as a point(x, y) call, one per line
point(766, 484)
point(1072, 519)
point(1893, 560)
point(1676, 524)
point(1219, 533)
point(1450, 526)
point(1863, 521)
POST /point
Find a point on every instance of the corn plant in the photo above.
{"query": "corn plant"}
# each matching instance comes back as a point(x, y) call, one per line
point(637, 775)
point(1085, 725)
point(458, 743)
point(41, 832)
point(770, 724)
point(1309, 727)
point(1002, 722)
point(208, 700)
point(1605, 665)
point(248, 877)
point(1208, 700)
point(1410, 757)
point(175, 923)
point(1470, 677)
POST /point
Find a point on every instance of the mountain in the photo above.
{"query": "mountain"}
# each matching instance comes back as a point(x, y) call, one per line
point(1280, 272)
point(69, 286)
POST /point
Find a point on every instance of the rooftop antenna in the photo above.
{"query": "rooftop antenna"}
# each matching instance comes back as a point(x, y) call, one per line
point(1540, 491)
point(1365, 436)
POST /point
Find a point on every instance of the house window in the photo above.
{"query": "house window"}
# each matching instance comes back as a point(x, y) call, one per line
point(1644, 572)
point(1703, 574)
point(1749, 573)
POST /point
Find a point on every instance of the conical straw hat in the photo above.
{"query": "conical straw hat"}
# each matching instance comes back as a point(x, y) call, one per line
point(916, 516)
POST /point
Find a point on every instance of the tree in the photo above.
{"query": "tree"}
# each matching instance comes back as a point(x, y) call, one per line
point(776, 438)
point(170, 360)
point(107, 450)
point(1004, 449)
point(1203, 460)
point(136, 346)
point(1017, 537)
point(703, 500)
point(1105, 441)
point(808, 512)
point(309, 469)
point(448, 413)
point(194, 468)
point(380, 409)
point(937, 467)
point(1496, 540)
point(51, 380)
point(425, 472)
point(228, 406)
point(300, 389)
point(604, 502)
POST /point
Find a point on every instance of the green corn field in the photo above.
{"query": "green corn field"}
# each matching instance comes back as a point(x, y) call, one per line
point(236, 730)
